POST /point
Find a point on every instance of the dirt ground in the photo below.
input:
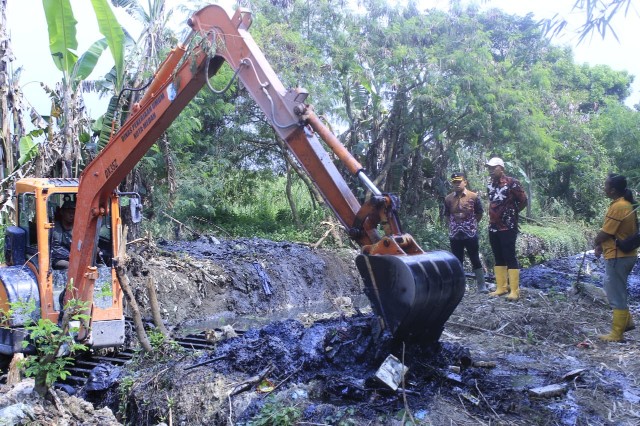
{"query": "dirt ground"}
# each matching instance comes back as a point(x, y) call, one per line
point(323, 371)
point(308, 346)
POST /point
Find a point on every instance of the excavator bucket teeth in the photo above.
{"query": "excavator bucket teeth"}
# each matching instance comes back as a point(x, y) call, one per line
point(413, 295)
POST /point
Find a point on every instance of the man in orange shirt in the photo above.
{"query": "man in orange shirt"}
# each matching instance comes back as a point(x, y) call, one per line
point(620, 222)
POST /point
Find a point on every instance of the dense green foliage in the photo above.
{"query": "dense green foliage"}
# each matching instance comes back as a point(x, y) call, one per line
point(414, 95)
point(538, 244)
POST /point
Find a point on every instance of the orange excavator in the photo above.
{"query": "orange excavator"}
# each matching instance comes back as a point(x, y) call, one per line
point(413, 292)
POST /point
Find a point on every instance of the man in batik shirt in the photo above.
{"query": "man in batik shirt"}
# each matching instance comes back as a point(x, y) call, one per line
point(463, 211)
point(506, 199)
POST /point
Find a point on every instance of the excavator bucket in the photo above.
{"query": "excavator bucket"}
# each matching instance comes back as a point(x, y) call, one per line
point(413, 295)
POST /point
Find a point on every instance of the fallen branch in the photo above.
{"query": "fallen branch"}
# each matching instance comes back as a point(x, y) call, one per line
point(473, 327)
point(230, 411)
point(485, 400)
point(407, 410)
point(321, 240)
point(195, 233)
point(281, 383)
point(245, 385)
point(138, 240)
point(209, 361)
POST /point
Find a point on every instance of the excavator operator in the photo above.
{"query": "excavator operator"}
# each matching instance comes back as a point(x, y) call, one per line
point(61, 236)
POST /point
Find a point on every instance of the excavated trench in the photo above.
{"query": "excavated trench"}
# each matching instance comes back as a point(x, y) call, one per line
point(490, 358)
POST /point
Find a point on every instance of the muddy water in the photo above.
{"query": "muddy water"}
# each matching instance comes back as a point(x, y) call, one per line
point(560, 274)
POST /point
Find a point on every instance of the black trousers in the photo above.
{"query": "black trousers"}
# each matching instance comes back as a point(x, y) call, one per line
point(503, 245)
point(473, 250)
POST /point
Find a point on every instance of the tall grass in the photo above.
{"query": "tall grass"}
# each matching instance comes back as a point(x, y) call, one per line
point(254, 206)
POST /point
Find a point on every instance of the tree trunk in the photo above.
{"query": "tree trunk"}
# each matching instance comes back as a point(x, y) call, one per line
point(529, 188)
point(155, 307)
point(171, 168)
point(120, 262)
point(68, 139)
point(6, 154)
point(292, 202)
point(300, 172)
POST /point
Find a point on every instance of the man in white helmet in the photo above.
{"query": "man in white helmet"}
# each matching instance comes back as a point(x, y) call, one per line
point(506, 199)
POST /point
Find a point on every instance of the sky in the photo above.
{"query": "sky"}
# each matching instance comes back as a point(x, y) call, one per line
point(30, 41)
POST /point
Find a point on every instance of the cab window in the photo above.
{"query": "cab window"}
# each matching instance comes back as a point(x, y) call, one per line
point(27, 218)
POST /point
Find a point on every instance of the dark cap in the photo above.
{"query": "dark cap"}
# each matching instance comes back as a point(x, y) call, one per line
point(458, 177)
point(68, 204)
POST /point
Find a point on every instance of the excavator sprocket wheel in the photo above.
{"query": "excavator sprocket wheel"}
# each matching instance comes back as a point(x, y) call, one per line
point(413, 295)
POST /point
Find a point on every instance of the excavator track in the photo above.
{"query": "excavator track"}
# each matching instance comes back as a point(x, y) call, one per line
point(85, 363)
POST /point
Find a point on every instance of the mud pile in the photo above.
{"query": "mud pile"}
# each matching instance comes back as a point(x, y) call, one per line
point(494, 358)
point(308, 349)
point(222, 281)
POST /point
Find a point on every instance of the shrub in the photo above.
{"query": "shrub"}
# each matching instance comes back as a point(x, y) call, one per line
point(537, 244)
point(53, 344)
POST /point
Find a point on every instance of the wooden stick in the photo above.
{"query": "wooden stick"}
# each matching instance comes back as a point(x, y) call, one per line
point(155, 307)
point(576, 285)
point(209, 361)
point(407, 410)
point(243, 386)
point(13, 375)
point(197, 234)
point(473, 327)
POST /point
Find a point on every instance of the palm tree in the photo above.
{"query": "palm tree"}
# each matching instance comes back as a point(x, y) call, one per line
point(68, 112)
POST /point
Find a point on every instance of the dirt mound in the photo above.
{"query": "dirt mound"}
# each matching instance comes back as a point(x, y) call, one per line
point(492, 357)
point(21, 405)
point(534, 361)
point(221, 281)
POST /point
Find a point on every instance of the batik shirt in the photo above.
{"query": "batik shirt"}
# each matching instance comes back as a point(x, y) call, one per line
point(461, 211)
point(504, 198)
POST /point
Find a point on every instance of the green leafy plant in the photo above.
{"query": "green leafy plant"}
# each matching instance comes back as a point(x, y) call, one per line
point(53, 344)
point(126, 384)
point(276, 414)
point(163, 347)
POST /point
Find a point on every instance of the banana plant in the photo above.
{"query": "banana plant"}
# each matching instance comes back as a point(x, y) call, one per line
point(63, 45)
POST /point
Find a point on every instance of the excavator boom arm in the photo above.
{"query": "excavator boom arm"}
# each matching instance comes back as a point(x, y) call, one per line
point(217, 38)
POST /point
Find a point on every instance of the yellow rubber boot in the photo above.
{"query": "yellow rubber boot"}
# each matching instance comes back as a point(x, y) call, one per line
point(630, 324)
point(514, 284)
point(501, 281)
point(620, 318)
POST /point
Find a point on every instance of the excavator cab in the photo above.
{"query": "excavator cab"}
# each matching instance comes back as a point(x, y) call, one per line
point(30, 275)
